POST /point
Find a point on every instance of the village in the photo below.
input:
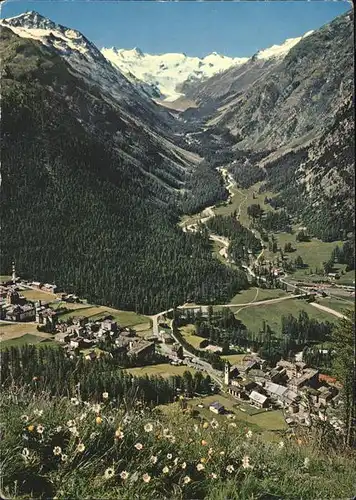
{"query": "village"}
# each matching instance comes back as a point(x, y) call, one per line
point(300, 392)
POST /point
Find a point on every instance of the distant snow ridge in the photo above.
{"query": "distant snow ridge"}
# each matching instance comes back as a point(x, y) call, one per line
point(164, 73)
point(282, 50)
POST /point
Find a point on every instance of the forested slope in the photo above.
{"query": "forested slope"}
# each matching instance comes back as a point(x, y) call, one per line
point(74, 211)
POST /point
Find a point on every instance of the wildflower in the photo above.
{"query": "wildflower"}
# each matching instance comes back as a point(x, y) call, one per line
point(165, 470)
point(57, 450)
point(184, 465)
point(98, 420)
point(203, 460)
point(175, 461)
point(169, 456)
point(153, 459)
point(222, 453)
point(205, 425)
point(81, 447)
point(70, 423)
point(74, 431)
point(59, 428)
point(148, 427)
point(96, 408)
point(232, 424)
point(74, 401)
point(34, 379)
point(306, 462)
point(186, 479)
point(31, 428)
point(40, 429)
point(119, 434)
point(214, 424)
point(200, 467)
point(210, 451)
point(204, 443)
point(146, 477)
point(246, 462)
point(38, 413)
point(64, 457)
point(213, 475)
point(138, 446)
point(124, 475)
point(249, 434)
point(25, 418)
point(281, 444)
point(230, 469)
point(25, 453)
point(105, 395)
point(172, 439)
point(109, 473)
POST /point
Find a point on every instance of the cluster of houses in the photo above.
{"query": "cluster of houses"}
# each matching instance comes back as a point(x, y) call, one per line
point(82, 333)
point(293, 386)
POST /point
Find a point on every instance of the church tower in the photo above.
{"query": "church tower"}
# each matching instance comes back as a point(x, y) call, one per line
point(13, 273)
point(227, 374)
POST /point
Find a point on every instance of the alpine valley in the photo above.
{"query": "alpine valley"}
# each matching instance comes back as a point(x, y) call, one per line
point(97, 174)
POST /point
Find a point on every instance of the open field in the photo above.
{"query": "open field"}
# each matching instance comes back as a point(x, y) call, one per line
point(188, 333)
point(272, 420)
point(12, 330)
point(234, 358)
point(28, 338)
point(257, 294)
point(68, 305)
point(339, 305)
point(253, 317)
point(5, 277)
point(162, 370)
point(39, 295)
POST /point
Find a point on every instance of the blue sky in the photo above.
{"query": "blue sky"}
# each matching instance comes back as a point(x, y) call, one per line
point(195, 28)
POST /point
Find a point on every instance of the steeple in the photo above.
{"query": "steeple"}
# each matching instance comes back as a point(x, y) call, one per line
point(13, 273)
point(227, 373)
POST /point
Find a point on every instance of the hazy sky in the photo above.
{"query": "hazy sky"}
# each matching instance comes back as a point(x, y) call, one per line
point(195, 28)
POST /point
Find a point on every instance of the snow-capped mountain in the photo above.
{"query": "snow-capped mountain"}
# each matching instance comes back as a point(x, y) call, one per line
point(167, 75)
point(279, 51)
point(166, 72)
point(104, 100)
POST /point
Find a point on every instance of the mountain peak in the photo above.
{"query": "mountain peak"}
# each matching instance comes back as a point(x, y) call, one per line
point(30, 19)
point(278, 51)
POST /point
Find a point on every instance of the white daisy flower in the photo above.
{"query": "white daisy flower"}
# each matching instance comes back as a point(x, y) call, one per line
point(40, 429)
point(139, 446)
point(81, 447)
point(57, 450)
point(64, 457)
point(109, 473)
point(153, 459)
point(200, 467)
point(213, 475)
point(25, 418)
point(38, 412)
point(59, 428)
point(186, 479)
point(124, 475)
point(148, 427)
point(249, 434)
point(71, 423)
point(74, 401)
point(169, 456)
point(165, 470)
point(246, 462)
point(281, 444)
point(105, 395)
point(230, 469)
point(184, 465)
point(146, 477)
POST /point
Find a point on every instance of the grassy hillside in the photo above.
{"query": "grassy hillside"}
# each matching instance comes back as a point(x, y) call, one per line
point(63, 449)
